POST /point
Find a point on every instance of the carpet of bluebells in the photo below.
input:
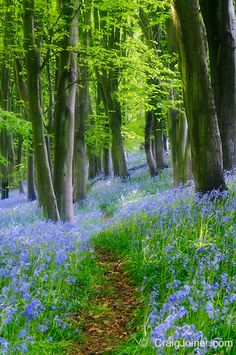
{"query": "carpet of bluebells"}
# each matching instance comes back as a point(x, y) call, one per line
point(42, 271)
point(47, 270)
point(179, 247)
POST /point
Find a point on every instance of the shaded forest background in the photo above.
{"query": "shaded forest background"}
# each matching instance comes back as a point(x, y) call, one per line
point(83, 82)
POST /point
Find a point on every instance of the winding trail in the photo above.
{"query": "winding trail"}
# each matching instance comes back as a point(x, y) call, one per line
point(106, 322)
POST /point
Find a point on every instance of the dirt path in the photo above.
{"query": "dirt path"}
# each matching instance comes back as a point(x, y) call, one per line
point(105, 322)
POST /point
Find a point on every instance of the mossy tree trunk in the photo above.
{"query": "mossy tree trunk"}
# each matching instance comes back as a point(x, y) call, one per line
point(107, 168)
point(220, 22)
point(65, 111)
point(33, 66)
point(21, 88)
point(148, 144)
point(83, 110)
point(158, 143)
point(31, 189)
point(180, 146)
point(206, 150)
point(80, 173)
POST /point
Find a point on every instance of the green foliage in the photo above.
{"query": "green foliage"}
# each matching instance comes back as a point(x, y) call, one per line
point(15, 124)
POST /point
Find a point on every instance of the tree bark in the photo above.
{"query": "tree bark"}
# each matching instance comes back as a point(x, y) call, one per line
point(205, 139)
point(107, 169)
point(148, 145)
point(83, 110)
point(158, 144)
point(80, 160)
point(31, 190)
point(220, 22)
point(18, 165)
point(65, 112)
point(180, 146)
point(33, 64)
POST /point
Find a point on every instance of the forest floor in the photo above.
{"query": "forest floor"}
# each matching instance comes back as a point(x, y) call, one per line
point(143, 265)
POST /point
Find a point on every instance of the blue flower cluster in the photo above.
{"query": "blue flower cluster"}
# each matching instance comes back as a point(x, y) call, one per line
point(40, 270)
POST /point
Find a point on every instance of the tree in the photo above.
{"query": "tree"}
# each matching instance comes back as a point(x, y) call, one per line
point(220, 22)
point(198, 96)
point(47, 196)
point(109, 76)
point(65, 110)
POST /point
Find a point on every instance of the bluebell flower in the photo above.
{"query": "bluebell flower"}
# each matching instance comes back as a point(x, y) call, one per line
point(22, 333)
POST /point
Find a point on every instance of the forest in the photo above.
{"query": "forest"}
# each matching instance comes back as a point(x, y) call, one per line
point(117, 177)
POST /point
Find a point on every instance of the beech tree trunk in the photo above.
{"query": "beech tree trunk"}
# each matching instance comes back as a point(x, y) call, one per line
point(180, 146)
point(83, 110)
point(107, 168)
point(80, 160)
point(65, 112)
point(94, 165)
point(18, 165)
point(22, 93)
point(148, 145)
point(220, 22)
point(158, 143)
point(31, 189)
point(33, 66)
point(204, 133)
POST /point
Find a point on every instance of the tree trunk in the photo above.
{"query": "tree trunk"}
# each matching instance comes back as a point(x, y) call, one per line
point(107, 168)
point(80, 160)
point(180, 147)
point(117, 150)
point(94, 165)
point(65, 112)
point(205, 139)
point(220, 22)
point(33, 63)
point(148, 145)
point(83, 110)
point(18, 165)
point(159, 146)
point(31, 190)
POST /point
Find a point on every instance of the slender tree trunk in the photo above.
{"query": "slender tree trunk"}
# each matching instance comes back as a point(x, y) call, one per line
point(33, 63)
point(148, 144)
point(107, 169)
point(31, 190)
point(94, 165)
point(117, 150)
point(18, 166)
point(65, 113)
point(5, 164)
point(165, 143)
point(220, 22)
point(4, 136)
point(83, 110)
point(22, 92)
point(158, 141)
point(199, 100)
point(180, 147)
point(80, 160)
